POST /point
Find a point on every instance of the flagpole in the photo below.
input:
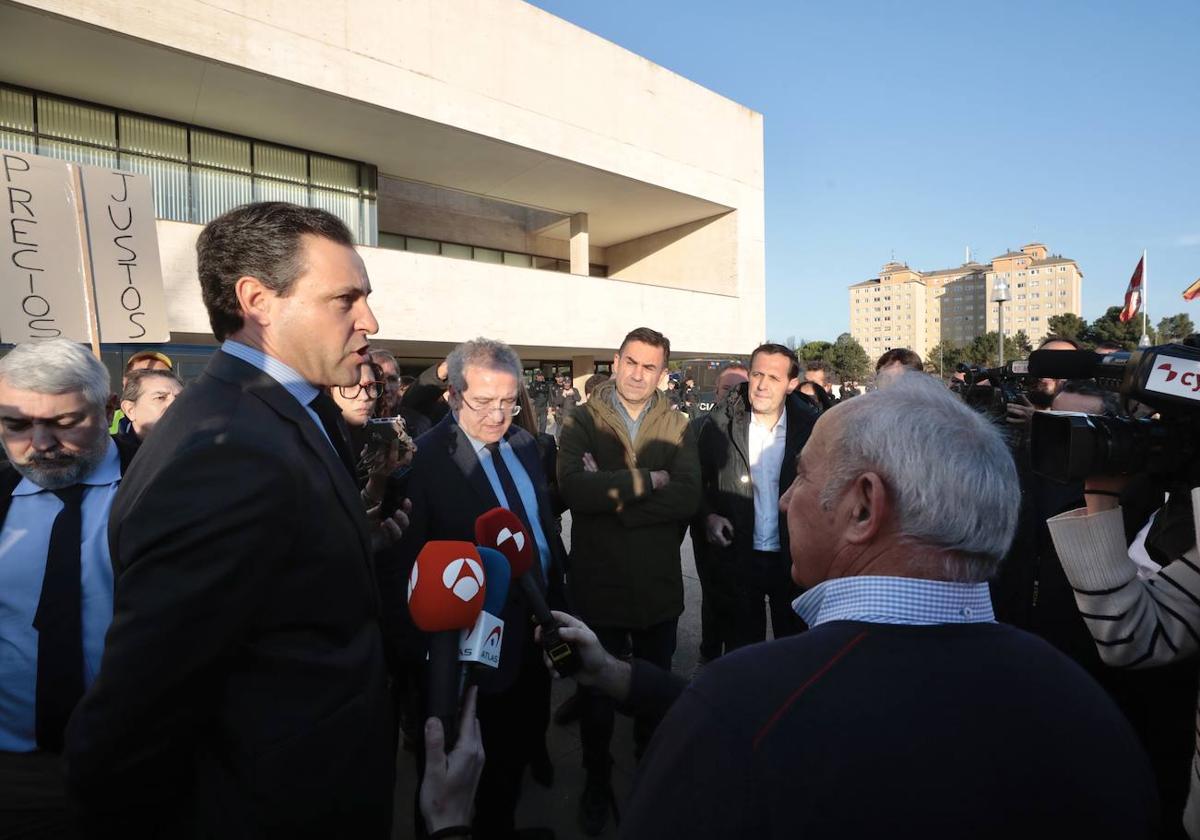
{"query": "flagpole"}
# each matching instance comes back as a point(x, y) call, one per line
point(1145, 341)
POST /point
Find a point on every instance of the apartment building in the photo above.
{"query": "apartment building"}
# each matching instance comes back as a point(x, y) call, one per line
point(904, 307)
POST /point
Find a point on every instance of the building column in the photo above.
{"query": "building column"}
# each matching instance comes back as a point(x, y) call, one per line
point(581, 368)
point(579, 244)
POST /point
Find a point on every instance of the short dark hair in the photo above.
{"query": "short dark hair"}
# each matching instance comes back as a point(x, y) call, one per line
point(591, 382)
point(261, 240)
point(648, 336)
point(135, 382)
point(904, 356)
point(772, 349)
point(732, 366)
point(1110, 345)
point(817, 364)
point(1061, 338)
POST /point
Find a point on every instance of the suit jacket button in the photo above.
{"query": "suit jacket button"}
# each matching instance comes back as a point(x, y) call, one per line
point(745, 479)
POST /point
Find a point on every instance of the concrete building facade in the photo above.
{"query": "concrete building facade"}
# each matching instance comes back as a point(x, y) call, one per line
point(505, 172)
point(904, 307)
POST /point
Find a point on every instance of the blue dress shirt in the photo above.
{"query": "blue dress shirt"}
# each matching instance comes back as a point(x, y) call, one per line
point(24, 544)
point(895, 600)
point(300, 388)
point(524, 487)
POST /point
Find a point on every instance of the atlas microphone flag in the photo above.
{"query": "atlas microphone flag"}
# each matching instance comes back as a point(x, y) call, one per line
point(1133, 294)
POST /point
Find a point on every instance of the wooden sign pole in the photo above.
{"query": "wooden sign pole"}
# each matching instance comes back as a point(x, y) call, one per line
point(89, 288)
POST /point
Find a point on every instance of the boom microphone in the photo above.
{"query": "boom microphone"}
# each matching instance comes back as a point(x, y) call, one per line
point(446, 591)
point(503, 530)
point(481, 644)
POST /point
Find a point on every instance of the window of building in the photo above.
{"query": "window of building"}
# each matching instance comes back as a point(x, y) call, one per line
point(197, 174)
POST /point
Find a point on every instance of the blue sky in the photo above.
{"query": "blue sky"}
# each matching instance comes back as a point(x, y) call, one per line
point(920, 128)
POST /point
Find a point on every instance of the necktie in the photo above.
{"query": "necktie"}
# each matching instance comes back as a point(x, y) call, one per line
point(59, 623)
point(331, 421)
point(513, 497)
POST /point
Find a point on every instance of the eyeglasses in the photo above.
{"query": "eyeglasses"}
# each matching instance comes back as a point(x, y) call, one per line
point(350, 392)
point(509, 408)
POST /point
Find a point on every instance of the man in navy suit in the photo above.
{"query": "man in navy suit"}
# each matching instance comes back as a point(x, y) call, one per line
point(470, 462)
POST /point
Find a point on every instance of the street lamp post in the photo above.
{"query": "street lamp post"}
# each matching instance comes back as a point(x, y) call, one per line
point(999, 296)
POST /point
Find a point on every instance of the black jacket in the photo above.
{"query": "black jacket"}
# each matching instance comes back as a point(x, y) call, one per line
point(243, 690)
point(725, 466)
point(449, 490)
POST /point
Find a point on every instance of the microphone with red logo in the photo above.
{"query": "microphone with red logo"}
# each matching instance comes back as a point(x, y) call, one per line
point(446, 591)
point(503, 530)
point(481, 644)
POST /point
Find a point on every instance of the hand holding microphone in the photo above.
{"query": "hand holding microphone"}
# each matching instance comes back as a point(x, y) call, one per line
point(503, 530)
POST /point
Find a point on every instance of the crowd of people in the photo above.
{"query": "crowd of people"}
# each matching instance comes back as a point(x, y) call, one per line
point(205, 626)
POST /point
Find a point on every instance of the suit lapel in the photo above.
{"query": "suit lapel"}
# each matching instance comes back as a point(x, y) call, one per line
point(256, 382)
point(9, 479)
point(462, 453)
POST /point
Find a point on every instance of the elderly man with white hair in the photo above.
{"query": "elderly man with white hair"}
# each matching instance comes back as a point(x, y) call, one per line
point(56, 579)
point(906, 710)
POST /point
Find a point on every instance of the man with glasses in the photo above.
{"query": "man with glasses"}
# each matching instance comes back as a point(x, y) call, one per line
point(472, 461)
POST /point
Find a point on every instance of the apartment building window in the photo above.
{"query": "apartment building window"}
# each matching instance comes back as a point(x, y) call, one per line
point(197, 174)
point(1020, 285)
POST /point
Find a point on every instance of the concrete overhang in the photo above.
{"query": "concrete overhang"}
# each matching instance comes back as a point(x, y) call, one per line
point(64, 56)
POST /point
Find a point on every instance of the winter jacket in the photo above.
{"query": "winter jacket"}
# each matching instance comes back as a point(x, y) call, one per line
point(624, 565)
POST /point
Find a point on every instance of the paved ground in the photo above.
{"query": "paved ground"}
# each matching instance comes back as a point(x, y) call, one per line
point(555, 808)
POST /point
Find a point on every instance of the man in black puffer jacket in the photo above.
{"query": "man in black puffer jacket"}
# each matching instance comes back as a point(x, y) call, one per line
point(748, 452)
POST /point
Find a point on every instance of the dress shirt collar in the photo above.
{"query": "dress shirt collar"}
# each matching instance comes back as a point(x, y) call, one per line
point(108, 471)
point(895, 600)
point(292, 382)
point(779, 428)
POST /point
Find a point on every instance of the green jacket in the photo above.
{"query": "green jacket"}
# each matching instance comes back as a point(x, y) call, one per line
point(624, 568)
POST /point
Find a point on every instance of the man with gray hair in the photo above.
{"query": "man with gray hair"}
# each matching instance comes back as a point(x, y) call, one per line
point(56, 578)
point(906, 710)
point(473, 460)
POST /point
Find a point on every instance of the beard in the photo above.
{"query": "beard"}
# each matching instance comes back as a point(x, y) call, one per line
point(58, 468)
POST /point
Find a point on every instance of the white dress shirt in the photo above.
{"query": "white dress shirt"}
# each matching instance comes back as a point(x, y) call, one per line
point(766, 460)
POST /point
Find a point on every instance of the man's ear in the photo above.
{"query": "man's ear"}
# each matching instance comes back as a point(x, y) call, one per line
point(255, 299)
point(793, 384)
point(867, 507)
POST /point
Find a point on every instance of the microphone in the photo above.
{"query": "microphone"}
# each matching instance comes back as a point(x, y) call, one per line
point(481, 644)
point(446, 591)
point(503, 530)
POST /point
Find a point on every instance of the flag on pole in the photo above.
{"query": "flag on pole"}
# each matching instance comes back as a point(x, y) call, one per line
point(1133, 295)
point(1192, 290)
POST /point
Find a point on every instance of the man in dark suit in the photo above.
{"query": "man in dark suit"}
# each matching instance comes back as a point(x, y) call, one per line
point(748, 453)
point(56, 491)
point(472, 461)
point(243, 690)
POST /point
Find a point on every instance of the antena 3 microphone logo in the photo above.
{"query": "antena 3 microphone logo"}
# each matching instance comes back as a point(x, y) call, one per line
point(1175, 376)
point(463, 577)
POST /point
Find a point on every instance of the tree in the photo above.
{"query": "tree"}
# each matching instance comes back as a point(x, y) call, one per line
point(1175, 328)
point(1067, 325)
point(1108, 327)
point(982, 350)
point(814, 351)
point(1021, 340)
point(848, 358)
point(944, 358)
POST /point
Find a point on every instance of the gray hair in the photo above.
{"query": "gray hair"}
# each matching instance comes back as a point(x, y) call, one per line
point(378, 354)
point(948, 471)
point(484, 353)
point(56, 366)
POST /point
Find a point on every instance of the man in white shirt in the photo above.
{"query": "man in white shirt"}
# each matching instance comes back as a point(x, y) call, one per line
point(747, 457)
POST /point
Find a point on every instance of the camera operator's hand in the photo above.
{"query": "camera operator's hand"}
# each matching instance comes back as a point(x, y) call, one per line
point(1019, 413)
point(1103, 492)
point(386, 531)
point(597, 667)
point(718, 530)
point(448, 788)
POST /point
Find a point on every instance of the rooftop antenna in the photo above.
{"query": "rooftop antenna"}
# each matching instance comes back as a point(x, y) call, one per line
point(968, 250)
